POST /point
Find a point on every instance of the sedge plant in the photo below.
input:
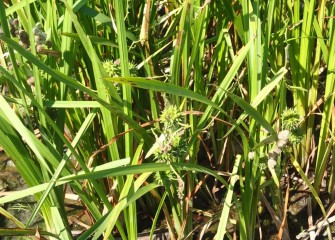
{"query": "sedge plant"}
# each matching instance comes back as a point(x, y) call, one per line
point(91, 76)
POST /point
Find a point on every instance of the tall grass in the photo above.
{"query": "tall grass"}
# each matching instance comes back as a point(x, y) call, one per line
point(142, 105)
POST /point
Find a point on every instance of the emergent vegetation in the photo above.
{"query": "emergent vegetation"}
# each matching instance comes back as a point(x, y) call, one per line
point(189, 116)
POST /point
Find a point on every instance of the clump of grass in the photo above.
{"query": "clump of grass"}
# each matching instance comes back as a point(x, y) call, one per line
point(227, 62)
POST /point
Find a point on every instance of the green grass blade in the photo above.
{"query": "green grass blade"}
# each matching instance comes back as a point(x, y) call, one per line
point(227, 203)
point(10, 217)
point(321, 162)
point(159, 86)
point(26, 233)
point(42, 187)
point(252, 112)
point(308, 183)
point(58, 220)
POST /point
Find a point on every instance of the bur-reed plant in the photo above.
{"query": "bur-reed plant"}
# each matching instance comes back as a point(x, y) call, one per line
point(230, 72)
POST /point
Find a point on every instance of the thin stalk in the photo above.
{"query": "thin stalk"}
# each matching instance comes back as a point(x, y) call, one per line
point(179, 42)
point(322, 160)
point(130, 215)
point(314, 88)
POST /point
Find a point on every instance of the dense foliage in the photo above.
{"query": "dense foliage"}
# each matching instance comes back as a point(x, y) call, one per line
point(191, 115)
